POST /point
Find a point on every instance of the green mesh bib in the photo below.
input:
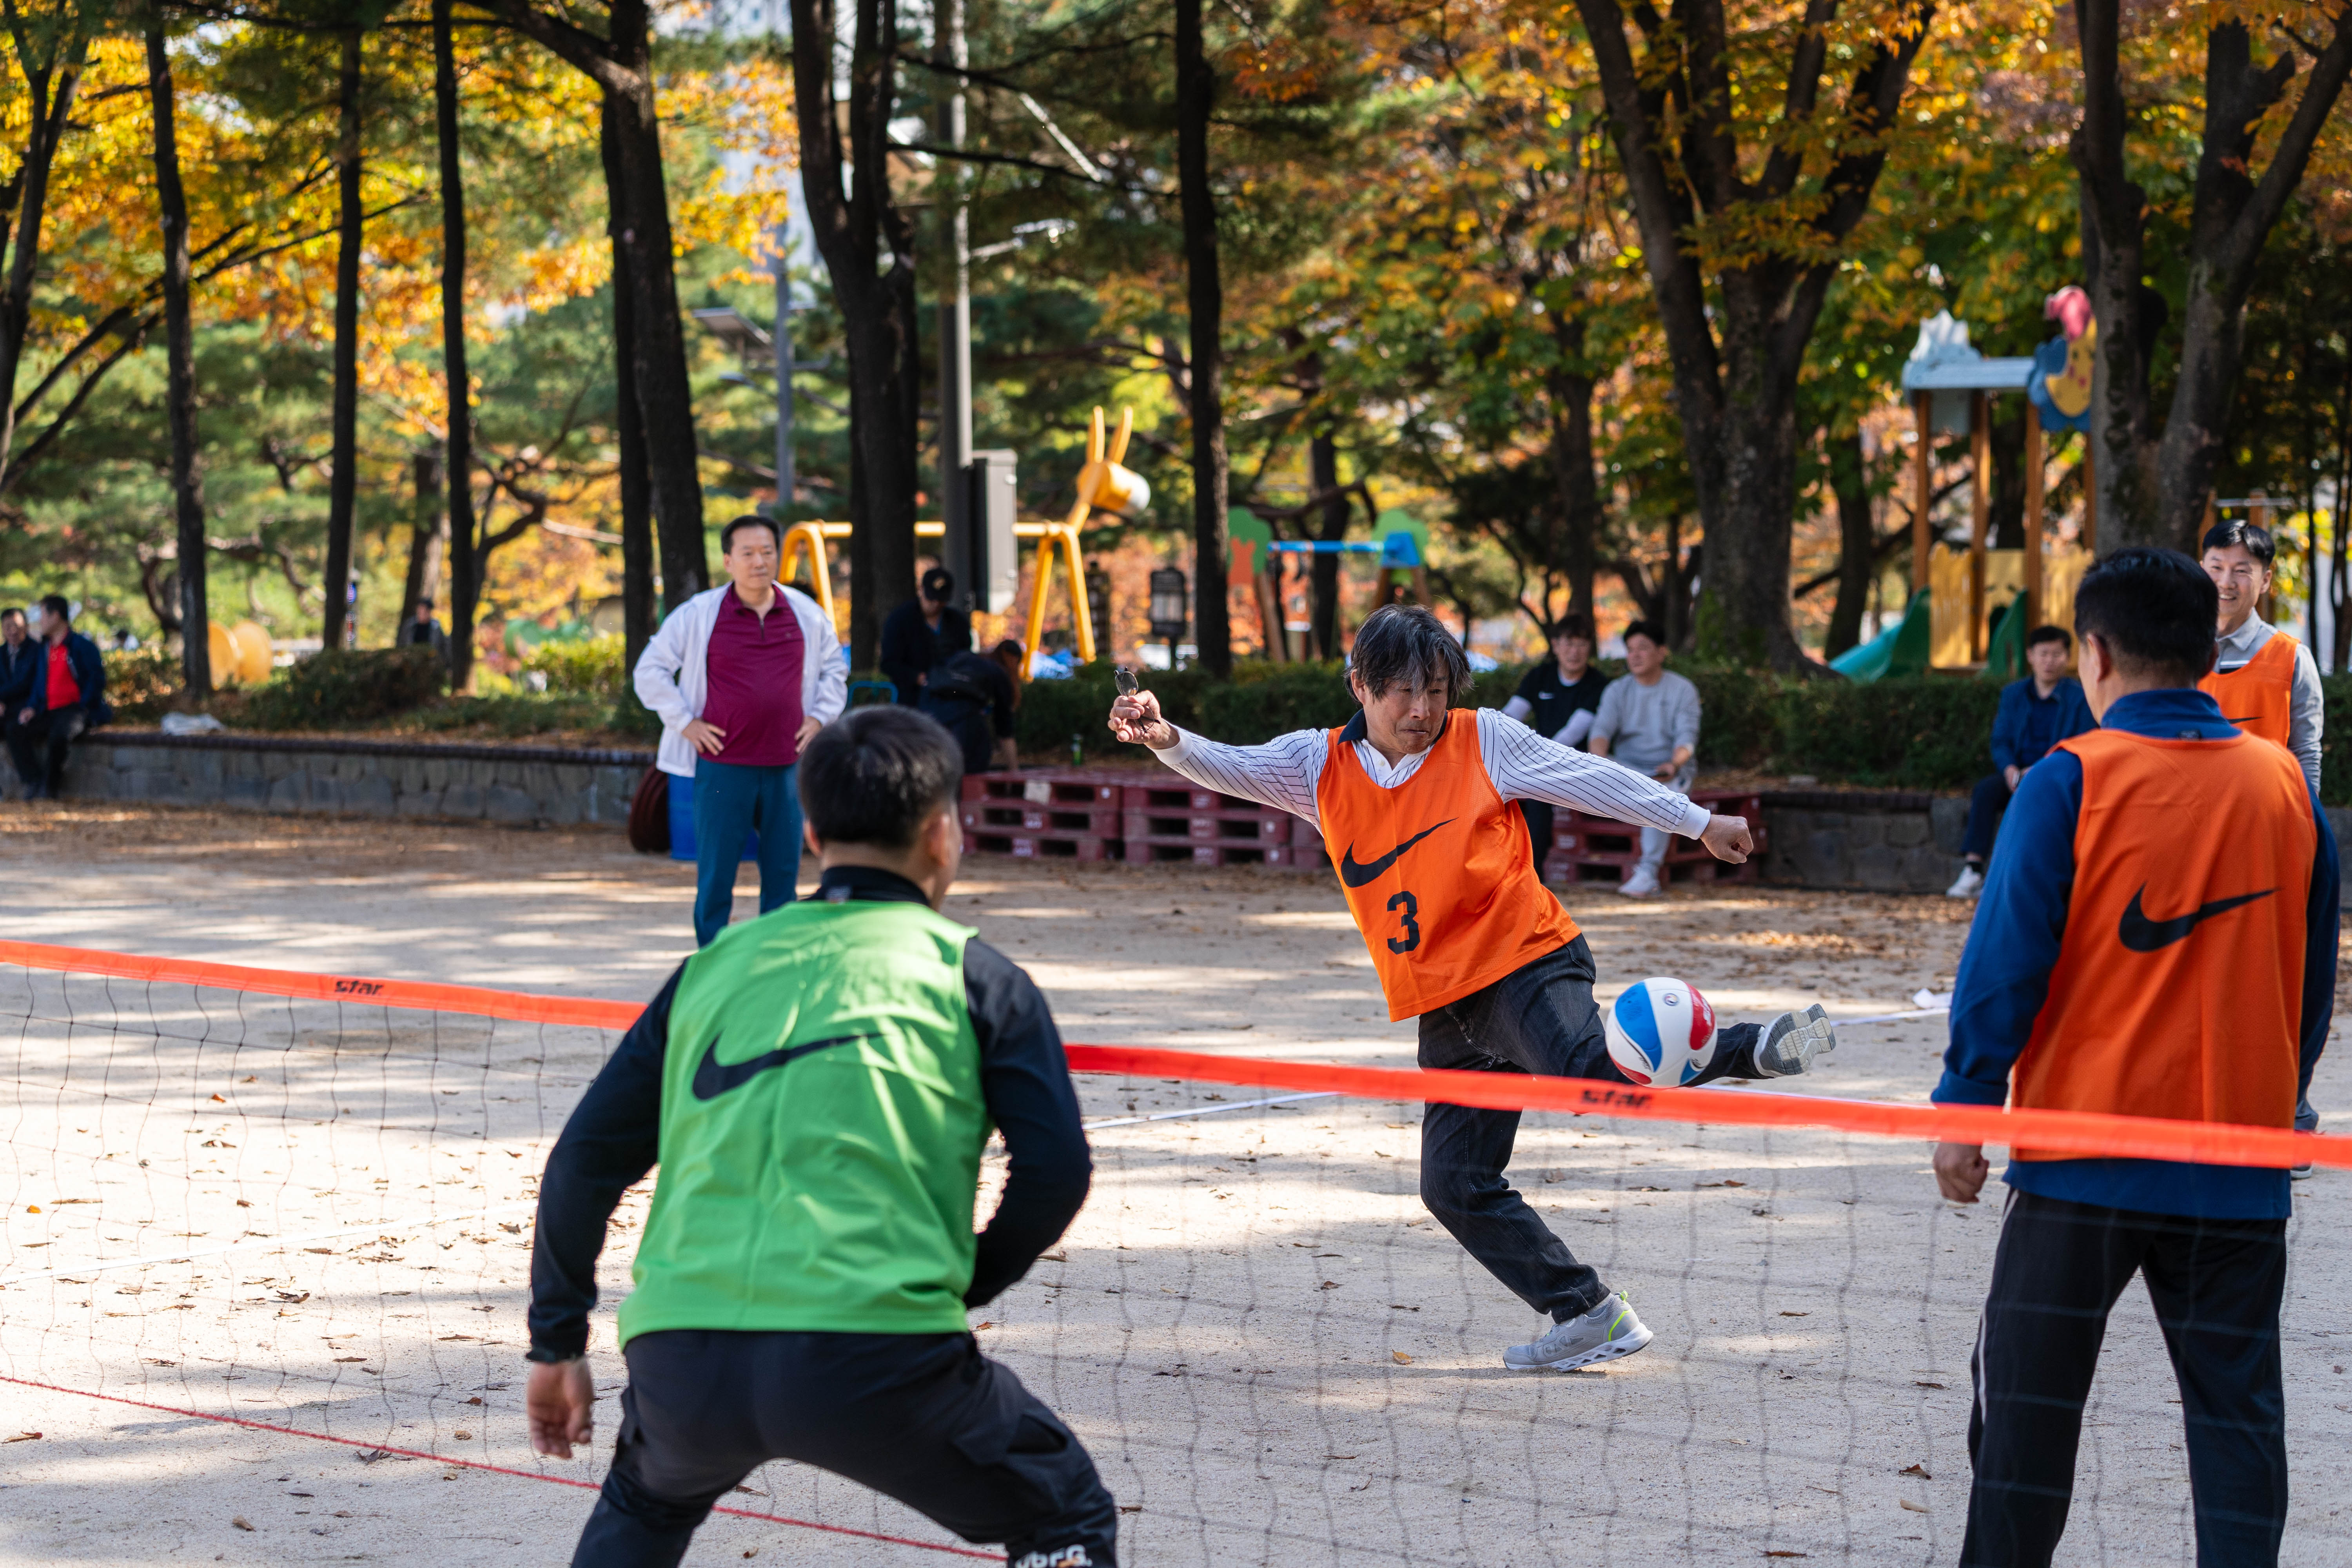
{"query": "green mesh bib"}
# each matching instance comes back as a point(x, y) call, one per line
point(821, 1130)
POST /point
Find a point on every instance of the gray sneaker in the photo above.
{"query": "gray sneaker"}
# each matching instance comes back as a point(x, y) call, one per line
point(1791, 1040)
point(1606, 1333)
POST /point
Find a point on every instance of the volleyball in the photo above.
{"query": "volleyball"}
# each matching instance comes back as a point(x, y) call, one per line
point(1661, 1032)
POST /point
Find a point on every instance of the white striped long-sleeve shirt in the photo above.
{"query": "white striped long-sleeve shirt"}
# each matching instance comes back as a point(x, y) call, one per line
point(1524, 765)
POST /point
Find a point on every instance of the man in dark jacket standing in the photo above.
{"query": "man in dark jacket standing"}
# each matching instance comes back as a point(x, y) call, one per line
point(2035, 714)
point(921, 634)
point(68, 697)
point(974, 696)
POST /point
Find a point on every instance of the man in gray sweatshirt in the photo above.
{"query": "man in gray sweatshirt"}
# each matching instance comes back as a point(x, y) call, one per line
point(1649, 721)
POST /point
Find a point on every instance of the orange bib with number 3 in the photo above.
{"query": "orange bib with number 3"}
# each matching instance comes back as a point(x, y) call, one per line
point(1436, 871)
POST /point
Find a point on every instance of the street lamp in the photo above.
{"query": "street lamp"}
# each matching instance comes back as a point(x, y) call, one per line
point(1170, 608)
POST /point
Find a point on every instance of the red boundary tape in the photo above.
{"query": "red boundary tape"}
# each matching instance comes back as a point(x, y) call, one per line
point(2051, 1132)
point(494, 1469)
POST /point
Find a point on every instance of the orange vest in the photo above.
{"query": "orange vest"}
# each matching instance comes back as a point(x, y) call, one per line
point(2178, 987)
point(1437, 872)
point(2258, 696)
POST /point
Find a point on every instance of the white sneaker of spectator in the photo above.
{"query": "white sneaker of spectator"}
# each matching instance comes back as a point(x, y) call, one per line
point(1971, 883)
point(1642, 884)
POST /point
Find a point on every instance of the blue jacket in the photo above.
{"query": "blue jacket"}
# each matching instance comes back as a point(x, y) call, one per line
point(2005, 977)
point(17, 674)
point(2027, 726)
point(89, 673)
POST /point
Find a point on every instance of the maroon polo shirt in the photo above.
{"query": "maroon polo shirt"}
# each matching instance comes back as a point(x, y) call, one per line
point(753, 674)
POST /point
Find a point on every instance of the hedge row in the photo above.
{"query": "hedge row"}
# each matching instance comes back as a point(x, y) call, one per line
point(1928, 732)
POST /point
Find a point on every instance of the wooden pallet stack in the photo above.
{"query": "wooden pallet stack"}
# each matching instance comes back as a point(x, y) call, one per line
point(1060, 815)
point(1596, 850)
point(1175, 820)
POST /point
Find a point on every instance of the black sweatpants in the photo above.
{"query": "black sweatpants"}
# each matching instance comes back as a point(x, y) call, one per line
point(2216, 1284)
point(924, 1418)
point(1539, 1018)
point(38, 747)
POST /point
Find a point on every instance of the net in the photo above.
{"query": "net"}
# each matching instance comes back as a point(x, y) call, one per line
point(266, 1263)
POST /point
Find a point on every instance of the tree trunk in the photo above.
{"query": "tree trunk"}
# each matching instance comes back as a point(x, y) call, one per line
point(1572, 472)
point(464, 567)
point(638, 617)
point(2152, 486)
point(428, 535)
point(180, 396)
point(1196, 92)
point(2005, 528)
point(637, 196)
point(859, 227)
point(1323, 478)
point(1857, 543)
point(51, 89)
point(342, 491)
point(1736, 359)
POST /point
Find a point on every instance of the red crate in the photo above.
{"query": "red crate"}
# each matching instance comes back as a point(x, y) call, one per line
point(1063, 787)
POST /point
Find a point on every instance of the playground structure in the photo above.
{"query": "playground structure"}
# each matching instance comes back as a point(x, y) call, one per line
point(1951, 386)
point(1104, 485)
point(1402, 551)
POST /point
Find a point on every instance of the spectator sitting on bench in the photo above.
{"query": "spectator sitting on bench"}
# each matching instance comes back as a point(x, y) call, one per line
point(68, 695)
point(2036, 713)
point(1649, 721)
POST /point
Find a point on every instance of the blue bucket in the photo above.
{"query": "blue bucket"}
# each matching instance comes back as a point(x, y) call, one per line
point(681, 823)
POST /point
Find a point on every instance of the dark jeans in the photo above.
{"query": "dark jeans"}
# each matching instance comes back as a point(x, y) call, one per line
point(39, 747)
point(1986, 803)
point(1540, 1018)
point(729, 802)
point(924, 1418)
point(2216, 1284)
point(1539, 816)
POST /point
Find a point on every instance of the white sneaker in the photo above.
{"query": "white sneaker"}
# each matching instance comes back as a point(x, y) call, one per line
point(1971, 883)
point(1642, 884)
point(1791, 1041)
point(1606, 1333)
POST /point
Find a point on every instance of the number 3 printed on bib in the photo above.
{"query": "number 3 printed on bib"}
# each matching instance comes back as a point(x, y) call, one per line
point(1412, 937)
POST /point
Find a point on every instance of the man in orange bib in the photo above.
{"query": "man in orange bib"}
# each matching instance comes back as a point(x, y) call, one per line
point(2266, 682)
point(1417, 800)
point(2157, 937)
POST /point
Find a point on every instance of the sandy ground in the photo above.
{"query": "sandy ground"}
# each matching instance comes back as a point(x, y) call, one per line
point(1273, 1354)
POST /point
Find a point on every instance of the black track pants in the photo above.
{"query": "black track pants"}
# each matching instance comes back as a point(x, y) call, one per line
point(2216, 1284)
point(1539, 1018)
point(924, 1418)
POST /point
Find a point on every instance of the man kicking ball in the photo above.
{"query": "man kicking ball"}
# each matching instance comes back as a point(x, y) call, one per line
point(1417, 806)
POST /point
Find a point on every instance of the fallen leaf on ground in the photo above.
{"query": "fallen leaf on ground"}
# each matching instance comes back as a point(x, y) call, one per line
point(1927, 1385)
point(1401, 1358)
point(240, 1522)
point(1796, 1314)
point(21, 1437)
point(1914, 1507)
point(1918, 1471)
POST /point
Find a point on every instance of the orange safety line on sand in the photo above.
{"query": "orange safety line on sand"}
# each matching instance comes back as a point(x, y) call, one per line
point(2063, 1131)
point(494, 1469)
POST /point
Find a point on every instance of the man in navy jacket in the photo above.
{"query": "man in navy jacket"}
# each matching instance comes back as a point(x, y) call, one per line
point(2035, 714)
point(68, 697)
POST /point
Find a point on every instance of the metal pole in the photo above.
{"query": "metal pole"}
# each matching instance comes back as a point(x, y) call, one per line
point(783, 347)
point(955, 310)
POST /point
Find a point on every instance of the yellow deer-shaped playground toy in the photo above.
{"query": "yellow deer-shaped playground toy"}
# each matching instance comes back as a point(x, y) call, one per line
point(1104, 485)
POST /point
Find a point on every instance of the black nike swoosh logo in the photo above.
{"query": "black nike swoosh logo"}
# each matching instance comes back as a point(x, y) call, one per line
point(713, 1078)
point(2142, 934)
point(1356, 875)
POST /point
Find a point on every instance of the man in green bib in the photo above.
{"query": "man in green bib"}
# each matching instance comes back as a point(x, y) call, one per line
point(816, 1086)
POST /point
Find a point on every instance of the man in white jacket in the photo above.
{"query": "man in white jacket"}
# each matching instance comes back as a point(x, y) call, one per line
point(741, 676)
